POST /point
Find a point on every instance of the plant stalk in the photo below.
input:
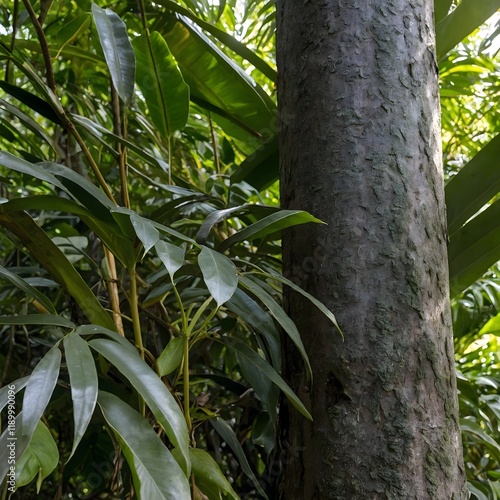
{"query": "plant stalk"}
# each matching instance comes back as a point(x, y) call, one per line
point(134, 309)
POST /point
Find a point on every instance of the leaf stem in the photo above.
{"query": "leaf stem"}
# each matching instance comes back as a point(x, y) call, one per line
point(134, 309)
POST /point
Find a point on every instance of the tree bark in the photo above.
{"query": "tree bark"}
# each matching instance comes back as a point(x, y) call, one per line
point(360, 149)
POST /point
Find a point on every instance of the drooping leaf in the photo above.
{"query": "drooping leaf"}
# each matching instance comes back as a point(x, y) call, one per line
point(15, 386)
point(226, 432)
point(261, 168)
point(219, 274)
point(155, 472)
point(27, 289)
point(474, 249)
point(266, 369)
point(145, 231)
point(152, 390)
point(117, 50)
point(171, 357)
point(54, 261)
point(32, 101)
point(172, 256)
point(308, 296)
point(72, 30)
point(208, 476)
point(87, 330)
point(161, 83)
point(37, 319)
point(462, 21)
point(279, 314)
point(268, 225)
point(214, 218)
point(83, 381)
point(474, 186)
point(40, 457)
point(37, 395)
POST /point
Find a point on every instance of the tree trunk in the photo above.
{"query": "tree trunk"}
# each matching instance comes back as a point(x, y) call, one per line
point(360, 149)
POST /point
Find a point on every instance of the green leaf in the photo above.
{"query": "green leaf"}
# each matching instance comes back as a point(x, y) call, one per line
point(83, 381)
point(268, 225)
point(85, 330)
point(17, 385)
point(214, 218)
point(474, 249)
point(32, 101)
point(228, 40)
point(462, 21)
point(154, 392)
point(25, 167)
point(226, 432)
point(254, 316)
point(172, 256)
point(145, 231)
point(215, 78)
point(280, 315)
point(117, 50)
point(161, 83)
point(37, 395)
point(37, 319)
point(266, 369)
point(441, 9)
point(40, 458)
point(171, 357)
point(261, 168)
point(468, 426)
point(156, 474)
point(474, 186)
point(72, 30)
point(219, 274)
point(208, 476)
point(27, 289)
point(308, 296)
point(55, 262)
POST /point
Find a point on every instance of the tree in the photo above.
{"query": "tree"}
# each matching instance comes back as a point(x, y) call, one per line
point(360, 149)
point(140, 250)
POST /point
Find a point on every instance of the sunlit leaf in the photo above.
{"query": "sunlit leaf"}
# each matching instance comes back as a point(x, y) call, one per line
point(172, 256)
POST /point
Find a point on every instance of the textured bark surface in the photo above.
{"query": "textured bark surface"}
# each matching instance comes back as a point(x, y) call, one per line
point(360, 149)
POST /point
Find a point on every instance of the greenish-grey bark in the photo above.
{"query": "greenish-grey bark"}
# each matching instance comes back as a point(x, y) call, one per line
point(360, 149)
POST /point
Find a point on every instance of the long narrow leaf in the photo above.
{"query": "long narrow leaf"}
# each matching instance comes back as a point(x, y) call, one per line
point(268, 225)
point(155, 472)
point(27, 289)
point(117, 50)
point(37, 396)
point(55, 262)
point(227, 434)
point(476, 184)
point(37, 319)
point(83, 381)
point(152, 390)
point(474, 249)
point(279, 314)
point(265, 368)
point(462, 21)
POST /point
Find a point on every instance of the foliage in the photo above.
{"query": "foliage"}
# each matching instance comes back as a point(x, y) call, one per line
point(141, 275)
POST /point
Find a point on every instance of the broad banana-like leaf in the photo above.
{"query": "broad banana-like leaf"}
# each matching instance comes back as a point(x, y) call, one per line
point(161, 83)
